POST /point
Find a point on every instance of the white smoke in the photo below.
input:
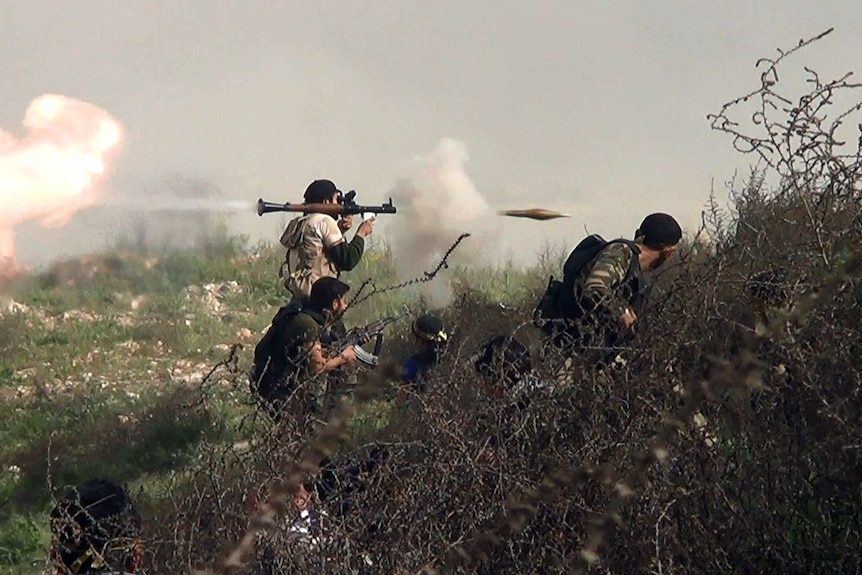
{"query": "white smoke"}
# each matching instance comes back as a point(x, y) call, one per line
point(436, 204)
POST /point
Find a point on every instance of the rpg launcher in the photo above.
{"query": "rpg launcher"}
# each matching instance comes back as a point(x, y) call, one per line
point(346, 206)
point(357, 336)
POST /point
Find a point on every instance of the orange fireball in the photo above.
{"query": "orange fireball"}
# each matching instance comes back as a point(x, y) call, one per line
point(52, 172)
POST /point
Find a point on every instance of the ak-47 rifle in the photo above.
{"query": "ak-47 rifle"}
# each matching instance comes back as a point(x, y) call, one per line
point(357, 336)
point(346, 206)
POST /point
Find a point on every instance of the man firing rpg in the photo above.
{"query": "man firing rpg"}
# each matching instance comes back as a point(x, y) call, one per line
point(316, 246)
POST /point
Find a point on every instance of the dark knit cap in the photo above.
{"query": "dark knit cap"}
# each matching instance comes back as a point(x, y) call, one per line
point(325, 291)
point(96, 513)
point(428, 327)
point(659, 231)
point(320, 190)
point(503, 357)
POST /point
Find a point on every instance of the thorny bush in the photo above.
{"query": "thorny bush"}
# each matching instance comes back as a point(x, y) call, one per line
point(728, 441)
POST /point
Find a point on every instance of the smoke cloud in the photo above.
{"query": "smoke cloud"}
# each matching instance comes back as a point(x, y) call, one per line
point(52, 172)
point(436, 204)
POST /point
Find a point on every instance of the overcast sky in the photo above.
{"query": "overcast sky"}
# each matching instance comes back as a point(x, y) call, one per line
point(596, 107)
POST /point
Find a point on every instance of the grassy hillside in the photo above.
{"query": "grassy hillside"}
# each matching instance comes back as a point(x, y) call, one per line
point(100, 355)
point(727, 440)
point(122, 365)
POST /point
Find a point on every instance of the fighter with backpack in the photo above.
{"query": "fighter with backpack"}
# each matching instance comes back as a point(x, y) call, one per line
point(291, 362)
point(299, 361)
point(278, 361)
point(563, 303)
point(602, 291)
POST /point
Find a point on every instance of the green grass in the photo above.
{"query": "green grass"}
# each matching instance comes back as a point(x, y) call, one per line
point(92, 374)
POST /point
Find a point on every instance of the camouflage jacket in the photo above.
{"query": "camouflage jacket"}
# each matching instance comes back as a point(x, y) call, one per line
point(603, 284)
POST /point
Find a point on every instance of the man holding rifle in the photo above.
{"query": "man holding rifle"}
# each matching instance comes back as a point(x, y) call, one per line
point(292, 353)
point(315, 242)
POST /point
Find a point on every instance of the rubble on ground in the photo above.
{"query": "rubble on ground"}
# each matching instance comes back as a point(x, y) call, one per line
point(78, 315)
point(189, 372)
point(10, 306)
point(210, 294)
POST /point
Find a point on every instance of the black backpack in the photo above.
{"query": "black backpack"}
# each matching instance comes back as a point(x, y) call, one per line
point(559, 305)
point(273, 356)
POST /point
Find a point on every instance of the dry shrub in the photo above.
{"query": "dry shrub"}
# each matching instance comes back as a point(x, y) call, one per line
point(728, 442)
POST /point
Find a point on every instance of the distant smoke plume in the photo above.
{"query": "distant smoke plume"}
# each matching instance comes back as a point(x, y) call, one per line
point(436, 204)
point(52, 172)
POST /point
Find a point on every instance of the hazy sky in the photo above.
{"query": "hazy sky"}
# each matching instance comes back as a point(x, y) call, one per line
point(595, 107)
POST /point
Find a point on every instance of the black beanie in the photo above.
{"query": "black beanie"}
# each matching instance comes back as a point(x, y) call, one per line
point(429, 328)
point(325, 291)
point(95, 513)
point(659, 231)
point(320, 190)
point(503, 357)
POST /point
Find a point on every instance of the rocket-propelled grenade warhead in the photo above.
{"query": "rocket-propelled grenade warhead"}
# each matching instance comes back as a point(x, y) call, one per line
point(534, 214)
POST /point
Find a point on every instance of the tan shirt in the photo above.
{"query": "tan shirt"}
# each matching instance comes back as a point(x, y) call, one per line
point(307, 240)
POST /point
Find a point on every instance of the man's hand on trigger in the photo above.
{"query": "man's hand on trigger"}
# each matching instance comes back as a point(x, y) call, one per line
point(360, 335)
point(365, 228)
point(345, 223)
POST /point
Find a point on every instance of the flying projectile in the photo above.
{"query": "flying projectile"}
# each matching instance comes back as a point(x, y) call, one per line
point(534, 214)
